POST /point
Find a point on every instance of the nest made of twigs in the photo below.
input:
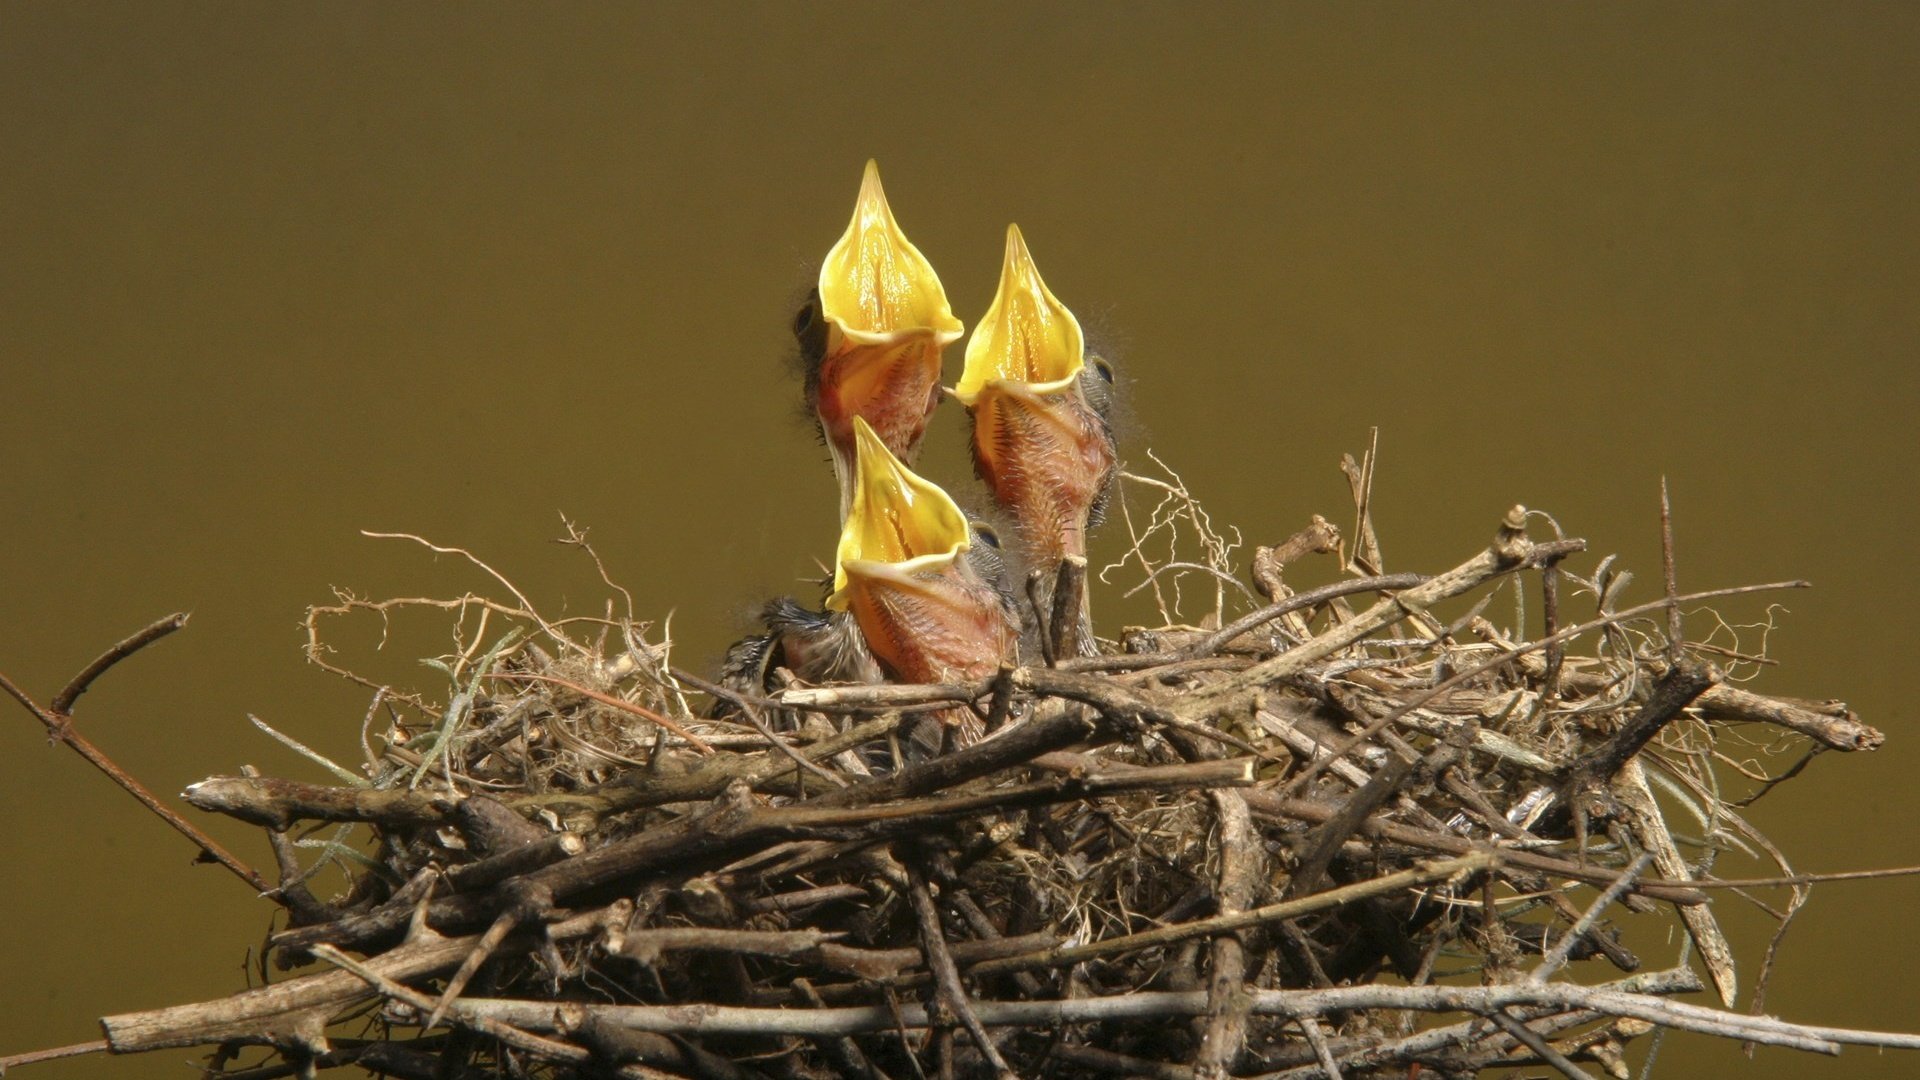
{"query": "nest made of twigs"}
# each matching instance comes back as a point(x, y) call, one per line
point(1287, 843)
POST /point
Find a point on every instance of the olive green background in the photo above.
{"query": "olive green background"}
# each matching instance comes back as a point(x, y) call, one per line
point(272, 276)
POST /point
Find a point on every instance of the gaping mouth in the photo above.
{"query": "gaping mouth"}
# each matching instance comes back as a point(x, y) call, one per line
point(899, 525)
point(1027, 340)
point(875, 285)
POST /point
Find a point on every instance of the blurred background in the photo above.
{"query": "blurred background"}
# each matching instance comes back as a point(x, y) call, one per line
point(269, 278)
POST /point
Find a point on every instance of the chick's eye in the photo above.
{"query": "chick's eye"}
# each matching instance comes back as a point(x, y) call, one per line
point(1102, 369)
point(987, 536)
point(804, 319)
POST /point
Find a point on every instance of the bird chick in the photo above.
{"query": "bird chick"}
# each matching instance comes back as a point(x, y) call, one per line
point(1042, 441)
point(872, 336)
point(925, 609)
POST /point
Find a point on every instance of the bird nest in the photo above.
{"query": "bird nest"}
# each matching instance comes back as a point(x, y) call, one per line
point(1328, 832)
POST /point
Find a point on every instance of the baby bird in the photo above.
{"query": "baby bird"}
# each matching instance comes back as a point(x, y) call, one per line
point(872, 336)
point(924, 608)
point(1041, 436)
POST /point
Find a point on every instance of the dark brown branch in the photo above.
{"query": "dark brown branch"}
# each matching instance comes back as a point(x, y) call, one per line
point(1685, 680)
point(492, 827)
point(1531, 1040)
point(949, 996)
point(514, 862)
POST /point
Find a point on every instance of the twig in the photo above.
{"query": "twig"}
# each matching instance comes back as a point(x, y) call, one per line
point(1650, 828)
point(511, 1034)
point(1557, 956)
point(752, 713)
point(1368, 1055)
point(62, 703)
point(1532, 1040)
point(1831, 724)
point(526, 902)
point(1063, 630)
point(1289, 1004)
point(1326, 840)
point(1312, 598)
point(60, 729)
point(843, 1051)
point(1804, 879)
point(950, 995)
point(1310, 1027)
point(278, 804)
point(245, 1014)
point(1273, 805)
point(1224, 1035)
point(1043, 626)
point(612, 702)
point(1668, 575)
point(56, 1053)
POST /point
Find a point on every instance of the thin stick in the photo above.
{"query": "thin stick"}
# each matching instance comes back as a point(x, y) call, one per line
point(1557, 957)
point(509, 1033)
point(1062, 631)
point(56, 1053)
point(60, 729)
point(63, 701)
point(611, 702)
point(946, 974)
point(1532, 1040)
point(752, 713)
point(1669, 575)
point(1037, 603)
point(853, 1020)
point(1310, 1027)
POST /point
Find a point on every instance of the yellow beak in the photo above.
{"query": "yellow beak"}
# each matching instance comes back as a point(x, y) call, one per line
point(899, 525)
point(875, 285)
point(1028, 340)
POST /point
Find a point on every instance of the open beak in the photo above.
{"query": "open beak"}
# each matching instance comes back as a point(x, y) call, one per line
point(1028, 341)
point(926, 615)
point(1037, 441)
point(887, 322)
